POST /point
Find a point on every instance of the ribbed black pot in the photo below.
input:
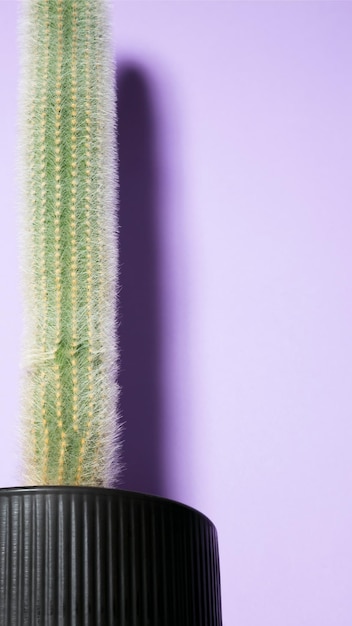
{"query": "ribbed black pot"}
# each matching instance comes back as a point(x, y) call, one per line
point(77, 556)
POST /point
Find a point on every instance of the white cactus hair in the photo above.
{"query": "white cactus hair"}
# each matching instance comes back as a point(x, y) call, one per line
point(71, 431)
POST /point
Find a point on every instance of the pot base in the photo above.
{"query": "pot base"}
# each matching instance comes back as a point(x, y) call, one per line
point(85, 556)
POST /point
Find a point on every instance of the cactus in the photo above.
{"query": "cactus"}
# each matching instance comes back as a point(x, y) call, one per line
point(69, 421)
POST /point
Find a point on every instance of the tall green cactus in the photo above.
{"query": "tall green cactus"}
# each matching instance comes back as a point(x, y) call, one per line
point(71, 435)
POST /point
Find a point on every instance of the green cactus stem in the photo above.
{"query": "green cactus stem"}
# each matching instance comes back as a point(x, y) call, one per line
point(69, 421)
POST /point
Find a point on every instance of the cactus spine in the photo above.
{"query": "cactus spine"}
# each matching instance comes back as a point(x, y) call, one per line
point(70, 263)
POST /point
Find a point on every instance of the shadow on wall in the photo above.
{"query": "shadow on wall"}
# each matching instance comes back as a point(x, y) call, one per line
point(140, 297)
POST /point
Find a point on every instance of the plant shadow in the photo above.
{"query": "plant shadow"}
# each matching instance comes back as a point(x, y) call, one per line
point(140, 290)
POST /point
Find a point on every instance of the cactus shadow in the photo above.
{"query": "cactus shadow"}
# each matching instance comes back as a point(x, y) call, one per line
point(140, 290)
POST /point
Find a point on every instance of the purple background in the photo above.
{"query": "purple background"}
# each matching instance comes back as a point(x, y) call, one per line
point(236, 302)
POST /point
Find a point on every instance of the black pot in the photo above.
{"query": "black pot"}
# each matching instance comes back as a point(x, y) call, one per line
point(83, 556)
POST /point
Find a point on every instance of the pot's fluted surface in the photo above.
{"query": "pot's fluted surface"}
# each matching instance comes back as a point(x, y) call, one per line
point(75, 556)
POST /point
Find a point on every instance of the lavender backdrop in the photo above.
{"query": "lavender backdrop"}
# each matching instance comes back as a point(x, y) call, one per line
point(236, 303)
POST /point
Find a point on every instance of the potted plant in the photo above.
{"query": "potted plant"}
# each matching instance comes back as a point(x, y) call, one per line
point(73, 550)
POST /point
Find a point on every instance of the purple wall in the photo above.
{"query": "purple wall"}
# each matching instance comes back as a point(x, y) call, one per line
point(236, 196)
